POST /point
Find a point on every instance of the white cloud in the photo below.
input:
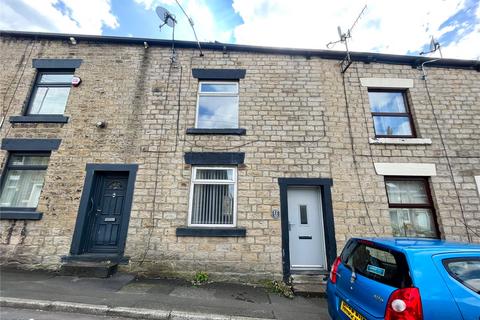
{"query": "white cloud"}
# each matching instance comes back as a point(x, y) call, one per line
point(63, 16)
point(150, 4)
point(386, 26)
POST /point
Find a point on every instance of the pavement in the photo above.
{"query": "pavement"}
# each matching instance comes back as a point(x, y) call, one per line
point(29, 314)
point(125, 296)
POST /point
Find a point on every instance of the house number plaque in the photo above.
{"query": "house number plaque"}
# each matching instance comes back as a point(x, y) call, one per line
point(275, 213)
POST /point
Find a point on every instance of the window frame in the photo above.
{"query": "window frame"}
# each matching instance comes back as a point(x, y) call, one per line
point(430, 205)
point(8, 167)
point(194, 181)
point(407, 113)
point(37, 84)
point(217, 94)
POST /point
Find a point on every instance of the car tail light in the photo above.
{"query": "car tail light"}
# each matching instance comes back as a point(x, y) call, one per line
point(404, 304)
point(333, 272)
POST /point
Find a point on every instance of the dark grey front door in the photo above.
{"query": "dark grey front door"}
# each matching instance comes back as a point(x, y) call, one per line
point(106, 212)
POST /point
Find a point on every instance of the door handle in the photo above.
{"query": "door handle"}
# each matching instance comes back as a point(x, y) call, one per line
point(290, 226)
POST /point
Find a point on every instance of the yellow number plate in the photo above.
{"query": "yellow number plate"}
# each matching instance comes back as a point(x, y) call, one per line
point(350, 312)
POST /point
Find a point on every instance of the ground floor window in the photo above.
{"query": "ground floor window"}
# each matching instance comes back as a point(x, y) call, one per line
point(23, 180)
point(411, 208)
point(213, 195)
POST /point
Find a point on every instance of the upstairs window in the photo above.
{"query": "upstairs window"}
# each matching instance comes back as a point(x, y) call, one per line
point(411, 207)
point(217, 105)
point(213, 196)
point(23, 180)
point(50, 94)
point(391, 115)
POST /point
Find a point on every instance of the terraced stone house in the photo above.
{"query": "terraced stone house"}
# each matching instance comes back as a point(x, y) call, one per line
point(248, 162)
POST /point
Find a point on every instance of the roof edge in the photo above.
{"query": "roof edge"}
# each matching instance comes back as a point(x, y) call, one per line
point(366, 57)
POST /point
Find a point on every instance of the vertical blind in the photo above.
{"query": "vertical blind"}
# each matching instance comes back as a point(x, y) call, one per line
point(213, 197)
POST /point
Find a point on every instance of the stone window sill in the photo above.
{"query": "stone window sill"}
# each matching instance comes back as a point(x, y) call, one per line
point(210, 232)
point(47, 118)
point(404, 141)
point(6, 214)
point(233, 132)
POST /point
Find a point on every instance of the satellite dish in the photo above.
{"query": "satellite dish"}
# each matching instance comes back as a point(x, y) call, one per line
point(166, 17)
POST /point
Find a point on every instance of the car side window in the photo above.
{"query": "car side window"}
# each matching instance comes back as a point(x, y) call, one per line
point(382, 265)
point(465, 270)
point(347, 250)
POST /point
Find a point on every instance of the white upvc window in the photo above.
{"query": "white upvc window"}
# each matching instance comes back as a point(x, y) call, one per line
point(213, 197)
point(217, 105)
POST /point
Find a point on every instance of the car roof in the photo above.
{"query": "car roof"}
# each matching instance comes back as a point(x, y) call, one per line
point(418, 245)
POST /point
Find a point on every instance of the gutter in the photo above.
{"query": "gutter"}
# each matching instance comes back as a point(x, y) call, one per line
point(366, 57)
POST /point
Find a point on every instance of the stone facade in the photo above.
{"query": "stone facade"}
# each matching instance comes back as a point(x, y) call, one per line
point(303, 118)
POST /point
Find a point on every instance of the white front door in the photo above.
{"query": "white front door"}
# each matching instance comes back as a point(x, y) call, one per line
point(306, 232)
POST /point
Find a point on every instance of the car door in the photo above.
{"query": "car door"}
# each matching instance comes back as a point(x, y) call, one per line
point(368, 276)
point(461, 273)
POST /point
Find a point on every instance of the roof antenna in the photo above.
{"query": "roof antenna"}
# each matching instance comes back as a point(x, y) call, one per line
point(191, 25)
point(434, 46)
point(344, 36)
point(169, 20)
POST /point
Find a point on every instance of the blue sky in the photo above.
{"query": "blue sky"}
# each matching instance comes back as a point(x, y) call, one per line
point(400, 27)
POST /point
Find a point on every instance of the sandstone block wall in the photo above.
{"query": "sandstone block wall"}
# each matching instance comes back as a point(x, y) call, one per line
point(298, 125)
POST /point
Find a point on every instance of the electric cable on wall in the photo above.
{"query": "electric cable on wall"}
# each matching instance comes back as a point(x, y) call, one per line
point(6, 110)
point(152, 212)
point(447, 157)
point(355, 163)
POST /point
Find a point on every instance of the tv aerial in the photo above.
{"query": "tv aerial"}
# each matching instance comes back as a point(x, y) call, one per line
point(434, 47)
point(344, 36)
point(168, 19)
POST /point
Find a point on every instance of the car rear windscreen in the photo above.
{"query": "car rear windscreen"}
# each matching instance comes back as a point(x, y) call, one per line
point(380, 264)
point(465, 270)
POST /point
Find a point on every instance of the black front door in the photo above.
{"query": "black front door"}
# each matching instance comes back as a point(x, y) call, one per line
point(106, 212)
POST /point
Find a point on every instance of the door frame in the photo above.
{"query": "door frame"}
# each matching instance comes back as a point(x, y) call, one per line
point(324, 184)
point(79, 235)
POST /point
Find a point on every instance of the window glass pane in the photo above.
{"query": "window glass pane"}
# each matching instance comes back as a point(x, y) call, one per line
point(387, 102)
point(22, 188)
point(49, 100)
point(217, 112)
point(216, 87)
point(18, 160)
point(412, 223)
point(466, 271)
point(392, 126)
point(214, 174)
point(212, 204)
point(56, 78)
point(380, 265)
point(303, 214)
point(407, 192)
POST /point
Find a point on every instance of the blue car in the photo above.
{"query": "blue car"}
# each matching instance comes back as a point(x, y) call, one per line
point(403, 278)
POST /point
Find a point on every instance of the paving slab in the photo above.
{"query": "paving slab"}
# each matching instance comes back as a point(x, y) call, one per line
point(167, 295)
